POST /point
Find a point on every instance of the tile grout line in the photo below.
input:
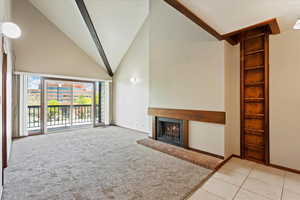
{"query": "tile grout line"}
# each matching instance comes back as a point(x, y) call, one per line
point(259, 181)
point(282, 190)
point(242, 184)
point(214, 194)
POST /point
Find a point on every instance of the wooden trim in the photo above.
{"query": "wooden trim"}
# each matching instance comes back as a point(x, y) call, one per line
point(89, 23)
point(285, 168)
point(272, 24)
point(193, 115)
point(231, 37)
point(206, 153)
point(242, 102)
point(186, 135)
point(266, 96)
point(275, 166)
point(189, 14)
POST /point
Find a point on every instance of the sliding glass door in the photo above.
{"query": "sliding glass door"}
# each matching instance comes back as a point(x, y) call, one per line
point(68, 104)
point(56, 104)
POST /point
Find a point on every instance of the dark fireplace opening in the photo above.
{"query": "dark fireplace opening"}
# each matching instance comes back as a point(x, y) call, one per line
point(170, 131)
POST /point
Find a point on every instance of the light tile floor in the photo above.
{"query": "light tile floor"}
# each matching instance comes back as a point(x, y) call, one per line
point(244, 180)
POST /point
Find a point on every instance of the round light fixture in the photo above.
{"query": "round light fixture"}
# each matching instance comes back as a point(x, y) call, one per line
point(133, 80)
point(11, 30)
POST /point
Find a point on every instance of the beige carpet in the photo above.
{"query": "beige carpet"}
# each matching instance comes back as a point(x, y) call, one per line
point(96, 164)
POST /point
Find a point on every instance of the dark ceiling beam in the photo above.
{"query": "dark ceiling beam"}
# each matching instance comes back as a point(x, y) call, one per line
point(189, 14)
point(233, 37)
point(88, 21)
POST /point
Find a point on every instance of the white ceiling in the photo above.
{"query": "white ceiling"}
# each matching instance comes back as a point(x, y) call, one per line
point(229, 15)
point(116, 21)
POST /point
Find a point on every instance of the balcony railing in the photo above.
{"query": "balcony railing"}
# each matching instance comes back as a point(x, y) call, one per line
point(60, 115)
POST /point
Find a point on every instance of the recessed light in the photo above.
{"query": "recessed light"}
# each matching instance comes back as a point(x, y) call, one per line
point(297, 25)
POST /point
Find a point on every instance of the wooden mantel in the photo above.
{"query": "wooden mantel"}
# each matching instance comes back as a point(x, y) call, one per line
point(192, 115)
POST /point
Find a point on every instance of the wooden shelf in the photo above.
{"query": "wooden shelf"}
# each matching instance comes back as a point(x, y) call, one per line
point(254, 52)
point(254, 99)
point(255, 67)
point(218, 117)
point(255, 132)
point(254, 116)
point(255, 36)
point(255, 147)
point(254, 84)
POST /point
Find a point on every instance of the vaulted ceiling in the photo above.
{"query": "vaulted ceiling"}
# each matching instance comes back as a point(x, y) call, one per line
point(230, 15)
point(116, 22)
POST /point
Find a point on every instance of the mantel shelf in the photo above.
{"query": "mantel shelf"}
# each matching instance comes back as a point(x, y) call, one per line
point(192, 115)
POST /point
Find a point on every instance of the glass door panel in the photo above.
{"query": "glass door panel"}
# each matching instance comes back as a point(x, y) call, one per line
point(83, 93)
point(58, 104)
point(34, 102)
point(98, 103)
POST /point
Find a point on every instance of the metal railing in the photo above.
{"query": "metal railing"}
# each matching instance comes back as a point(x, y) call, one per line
point(60, 115)
point(34, 117)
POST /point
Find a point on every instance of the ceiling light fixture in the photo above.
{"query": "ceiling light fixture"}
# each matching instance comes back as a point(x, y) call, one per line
point(297, 25)
point(10, 30)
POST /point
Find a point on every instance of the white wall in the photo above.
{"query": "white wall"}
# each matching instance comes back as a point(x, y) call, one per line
point(131, 101)
point(285, 99)
point(187, 72)
point(44, 49)
point(232, 99)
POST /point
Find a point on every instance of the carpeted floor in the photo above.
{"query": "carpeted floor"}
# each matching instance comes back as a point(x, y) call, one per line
point(96, 164)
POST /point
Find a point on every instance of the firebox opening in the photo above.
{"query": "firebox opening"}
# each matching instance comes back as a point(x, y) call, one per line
point(170, 131)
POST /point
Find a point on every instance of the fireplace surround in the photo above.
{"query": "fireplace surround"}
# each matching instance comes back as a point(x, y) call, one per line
point(178, 119)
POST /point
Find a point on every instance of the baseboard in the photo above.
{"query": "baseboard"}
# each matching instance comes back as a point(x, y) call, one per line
point(296, 171)
point(285, 168)
point(130, 128)
point(207, 153)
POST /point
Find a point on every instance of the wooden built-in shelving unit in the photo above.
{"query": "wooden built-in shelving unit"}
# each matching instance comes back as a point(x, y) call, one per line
point(254, 46)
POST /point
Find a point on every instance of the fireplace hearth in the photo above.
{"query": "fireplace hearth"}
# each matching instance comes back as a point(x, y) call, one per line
point(170, 131)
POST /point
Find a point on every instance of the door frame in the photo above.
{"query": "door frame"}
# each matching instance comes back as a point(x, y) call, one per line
point(96, 123)
point(4, 115)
